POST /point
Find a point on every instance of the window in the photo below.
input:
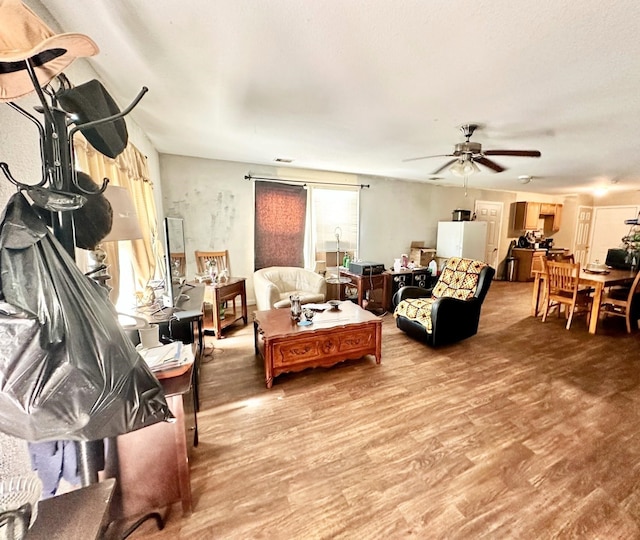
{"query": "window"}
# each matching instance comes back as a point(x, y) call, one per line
point(333, 211)
point(292, 222)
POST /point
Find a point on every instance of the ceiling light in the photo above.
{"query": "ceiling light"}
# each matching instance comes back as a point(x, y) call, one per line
point(524, 179)
point(464, 167)
point(599, 192)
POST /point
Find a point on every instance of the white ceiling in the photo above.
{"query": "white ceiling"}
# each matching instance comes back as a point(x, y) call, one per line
point(359, 85)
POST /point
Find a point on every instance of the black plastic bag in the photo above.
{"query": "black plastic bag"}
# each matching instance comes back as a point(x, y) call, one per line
point(67, 370)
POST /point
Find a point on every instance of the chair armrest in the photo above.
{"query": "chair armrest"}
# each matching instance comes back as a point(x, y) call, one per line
point(267, 294)
point(410, 292)
point(320, 286)
point(453, 319)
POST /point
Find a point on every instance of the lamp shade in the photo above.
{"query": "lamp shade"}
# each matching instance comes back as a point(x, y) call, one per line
point(125, 219)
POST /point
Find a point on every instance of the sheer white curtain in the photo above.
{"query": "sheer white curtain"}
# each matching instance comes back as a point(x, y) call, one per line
point(332, 209)
point(128, 170)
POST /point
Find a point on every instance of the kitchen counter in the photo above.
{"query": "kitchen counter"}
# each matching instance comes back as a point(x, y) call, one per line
point(529, 259)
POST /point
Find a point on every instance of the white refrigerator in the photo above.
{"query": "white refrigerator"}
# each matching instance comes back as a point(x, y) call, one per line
point(466, 239)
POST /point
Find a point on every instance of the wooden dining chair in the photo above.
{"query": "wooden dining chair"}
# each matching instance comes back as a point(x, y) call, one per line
point(619, 301)
point(179, 263)
point(562, 287)
point(221, 258)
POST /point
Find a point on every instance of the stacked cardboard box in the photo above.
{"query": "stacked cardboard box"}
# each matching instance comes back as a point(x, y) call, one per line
point(421, 255)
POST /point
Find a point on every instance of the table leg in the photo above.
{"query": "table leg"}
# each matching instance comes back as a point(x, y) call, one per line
point(595, 308)
point(243, 301)
point(360, 293)
point(255, 336)
point(535, 300)
point(216, 311)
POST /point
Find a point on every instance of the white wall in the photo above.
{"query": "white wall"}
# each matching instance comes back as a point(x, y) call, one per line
point(396, 212)
point(216, 203)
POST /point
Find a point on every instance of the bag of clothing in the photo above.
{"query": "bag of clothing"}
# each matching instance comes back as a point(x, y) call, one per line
point(67, 370)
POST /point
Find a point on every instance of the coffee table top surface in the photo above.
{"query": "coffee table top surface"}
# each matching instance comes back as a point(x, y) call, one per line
point(275, 322)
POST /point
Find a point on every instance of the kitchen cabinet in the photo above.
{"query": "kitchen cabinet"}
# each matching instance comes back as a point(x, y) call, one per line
point(526, 216)
point(557, 218)
point(552, 220)
point(529, 260)
point(547, 209)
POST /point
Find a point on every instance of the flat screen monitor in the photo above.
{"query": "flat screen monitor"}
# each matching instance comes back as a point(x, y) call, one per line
point(175, 262)
point(618, 258)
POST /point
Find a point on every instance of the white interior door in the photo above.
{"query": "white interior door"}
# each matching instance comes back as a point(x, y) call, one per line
point(491, 212)
point(608, 229)
point(583, 233)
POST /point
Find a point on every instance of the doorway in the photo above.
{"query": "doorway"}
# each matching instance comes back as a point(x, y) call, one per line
point(608, 229)
point(491, 212)
point(583, 233)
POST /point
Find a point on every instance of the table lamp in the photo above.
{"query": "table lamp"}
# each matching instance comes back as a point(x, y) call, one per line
point(125, 227)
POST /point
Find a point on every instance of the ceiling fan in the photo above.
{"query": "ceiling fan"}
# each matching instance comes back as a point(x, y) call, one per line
point(467, 154)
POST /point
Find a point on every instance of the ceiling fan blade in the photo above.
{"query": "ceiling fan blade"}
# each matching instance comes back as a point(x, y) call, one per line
point(426, 157)
point(521, 153)
point(447, 164)
point(488, 163)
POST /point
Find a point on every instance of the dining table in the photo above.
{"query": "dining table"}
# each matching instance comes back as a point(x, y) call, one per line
point(596, 280)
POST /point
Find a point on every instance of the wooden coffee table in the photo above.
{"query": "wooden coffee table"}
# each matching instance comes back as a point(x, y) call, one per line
point(334, 336)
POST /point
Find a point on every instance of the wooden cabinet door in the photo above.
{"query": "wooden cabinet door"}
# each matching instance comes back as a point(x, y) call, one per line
point(532, 215)
point(526, 215)
point(524, 258)
point(548, 209)
point(557, 218)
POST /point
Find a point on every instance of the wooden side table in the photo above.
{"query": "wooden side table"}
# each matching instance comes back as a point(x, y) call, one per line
point(227, 292)
point(370, 282)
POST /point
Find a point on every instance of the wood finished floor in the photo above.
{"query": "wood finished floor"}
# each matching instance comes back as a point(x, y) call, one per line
point(526, 430)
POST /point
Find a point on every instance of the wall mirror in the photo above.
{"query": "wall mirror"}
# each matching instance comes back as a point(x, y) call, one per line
point(174, 259)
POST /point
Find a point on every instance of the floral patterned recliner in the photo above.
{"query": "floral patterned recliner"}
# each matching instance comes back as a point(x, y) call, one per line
point(450, 311)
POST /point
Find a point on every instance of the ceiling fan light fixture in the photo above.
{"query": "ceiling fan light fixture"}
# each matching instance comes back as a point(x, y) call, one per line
point(464, 167)
point(524, 179)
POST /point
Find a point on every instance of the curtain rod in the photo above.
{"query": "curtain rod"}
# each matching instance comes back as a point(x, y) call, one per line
point(305, 182)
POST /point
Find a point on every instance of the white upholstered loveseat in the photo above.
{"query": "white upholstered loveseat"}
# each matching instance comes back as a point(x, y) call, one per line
point(274, 285)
